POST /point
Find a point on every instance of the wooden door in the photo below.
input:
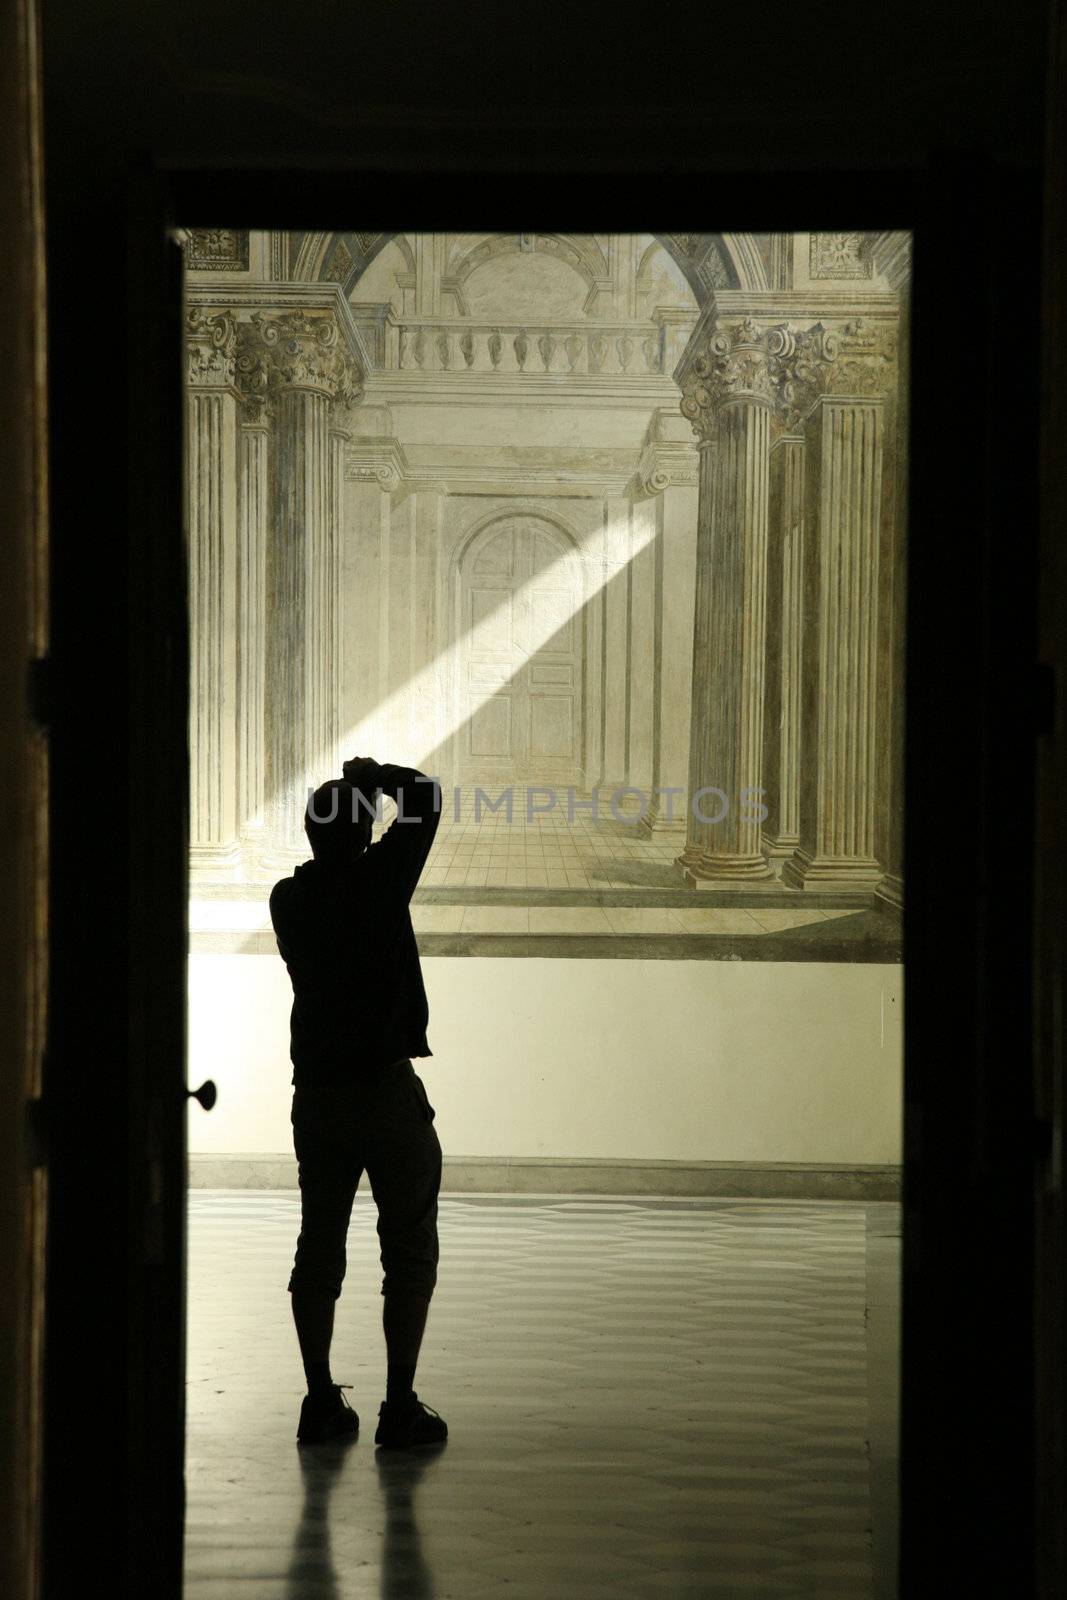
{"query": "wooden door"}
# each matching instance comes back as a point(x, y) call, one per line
point(520, 658)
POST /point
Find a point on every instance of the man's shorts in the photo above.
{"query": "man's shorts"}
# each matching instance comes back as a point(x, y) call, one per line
point(381, 1124)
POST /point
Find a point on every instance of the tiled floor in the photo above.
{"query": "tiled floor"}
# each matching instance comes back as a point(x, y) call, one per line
point(645, 1400)
point(550, 851)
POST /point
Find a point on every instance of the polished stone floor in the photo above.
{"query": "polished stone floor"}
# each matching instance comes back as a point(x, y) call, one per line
point(646, 1399)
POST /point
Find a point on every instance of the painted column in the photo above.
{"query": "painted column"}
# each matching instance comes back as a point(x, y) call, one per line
point(308, 369)
point(781, 716)
point(340, 435)
point(844, 468)
point(213, 552)
point(728, 395)
point(253, 517)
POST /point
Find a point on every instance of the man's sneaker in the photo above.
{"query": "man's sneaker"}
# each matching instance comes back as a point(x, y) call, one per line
point(409, 1422)
point(326, 1416)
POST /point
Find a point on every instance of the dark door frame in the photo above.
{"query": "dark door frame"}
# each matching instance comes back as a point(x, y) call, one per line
point(115, 1082)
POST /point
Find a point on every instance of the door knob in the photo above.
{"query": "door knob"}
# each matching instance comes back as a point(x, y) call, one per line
point(207, 1094)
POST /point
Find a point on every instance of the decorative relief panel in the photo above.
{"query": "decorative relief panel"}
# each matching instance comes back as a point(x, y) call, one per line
point(217, 250)
point(341, 264)
point(839, 255)
point(211, 349)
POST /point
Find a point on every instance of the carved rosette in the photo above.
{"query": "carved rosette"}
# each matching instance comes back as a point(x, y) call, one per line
point(739, 362)
point(211, 349)
point(295, 350)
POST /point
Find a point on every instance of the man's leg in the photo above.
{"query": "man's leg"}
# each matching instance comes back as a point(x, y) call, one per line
point(404, 1322)
point(313, 1314)
point(328, 1181)
point(404, 1168)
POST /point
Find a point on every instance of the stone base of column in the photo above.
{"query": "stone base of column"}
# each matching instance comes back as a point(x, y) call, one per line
point(210, 863)
point(777, 851)
point(279, 860)
point(702, 869)
point(890, 892)
point(659, 826)
point(805, 871)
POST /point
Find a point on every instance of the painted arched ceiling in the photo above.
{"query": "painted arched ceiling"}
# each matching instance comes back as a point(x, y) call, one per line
point(707, 261)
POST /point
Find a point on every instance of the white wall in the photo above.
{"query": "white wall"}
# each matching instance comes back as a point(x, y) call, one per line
point(655, 1060)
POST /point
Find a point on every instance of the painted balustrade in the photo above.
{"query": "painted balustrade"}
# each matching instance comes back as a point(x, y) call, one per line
point(586, 349)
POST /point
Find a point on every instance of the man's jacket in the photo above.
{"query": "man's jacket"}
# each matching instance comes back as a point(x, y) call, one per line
point(344, 932)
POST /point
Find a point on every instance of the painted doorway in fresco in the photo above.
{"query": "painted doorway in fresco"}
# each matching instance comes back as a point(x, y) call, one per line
point(519, 661)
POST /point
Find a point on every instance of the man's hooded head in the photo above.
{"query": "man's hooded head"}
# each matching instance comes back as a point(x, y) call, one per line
point(337, 822)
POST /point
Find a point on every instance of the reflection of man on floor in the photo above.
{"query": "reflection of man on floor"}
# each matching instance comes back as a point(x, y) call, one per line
point(359, 1015)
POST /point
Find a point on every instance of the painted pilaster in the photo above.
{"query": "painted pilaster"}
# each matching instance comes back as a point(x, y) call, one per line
point(838, 727)
point(667, 478)
point(642, 660)
point(213, 577)
point(616, 681)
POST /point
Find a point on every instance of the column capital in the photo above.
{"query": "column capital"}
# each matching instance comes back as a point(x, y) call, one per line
point(786, 368)
point(296, 349)
point(211, 345)
point(737, 361)
point(855, 359)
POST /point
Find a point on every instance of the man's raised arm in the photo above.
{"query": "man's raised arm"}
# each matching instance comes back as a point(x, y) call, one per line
point(403, 849)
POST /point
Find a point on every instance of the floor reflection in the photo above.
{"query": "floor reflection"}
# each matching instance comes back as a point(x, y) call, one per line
point(313, 1572)
point(644, 1399)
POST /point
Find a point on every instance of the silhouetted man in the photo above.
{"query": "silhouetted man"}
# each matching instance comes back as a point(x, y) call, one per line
point(359, 1016)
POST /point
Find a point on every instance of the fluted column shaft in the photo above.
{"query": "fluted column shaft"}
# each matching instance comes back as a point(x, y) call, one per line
point(212, 501)
point(298, 695)
point(785, 617)
point(292, 368)
point(838, 707)
point(726, 743)
point(253, 504)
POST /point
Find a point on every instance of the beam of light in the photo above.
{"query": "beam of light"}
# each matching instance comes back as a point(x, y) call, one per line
point(416, 721)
